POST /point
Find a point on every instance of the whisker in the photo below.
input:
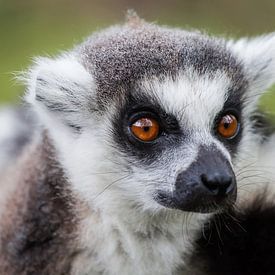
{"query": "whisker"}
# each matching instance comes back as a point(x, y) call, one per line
point(109, 185)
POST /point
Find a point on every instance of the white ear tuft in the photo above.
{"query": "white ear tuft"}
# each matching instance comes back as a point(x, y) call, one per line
point(258, 57)
point(62, 88)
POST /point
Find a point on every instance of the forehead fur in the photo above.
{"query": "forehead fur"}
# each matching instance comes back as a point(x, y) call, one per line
point(120, 56)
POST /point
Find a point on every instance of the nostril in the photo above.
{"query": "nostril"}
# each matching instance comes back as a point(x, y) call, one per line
point(218, 183)
point(210, 184)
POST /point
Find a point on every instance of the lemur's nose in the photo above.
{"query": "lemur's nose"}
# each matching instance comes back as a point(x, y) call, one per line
point(207, 185)
point(218, 183)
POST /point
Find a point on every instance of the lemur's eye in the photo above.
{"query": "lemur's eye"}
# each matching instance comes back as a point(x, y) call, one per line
point(145, 129)
point(228, 126)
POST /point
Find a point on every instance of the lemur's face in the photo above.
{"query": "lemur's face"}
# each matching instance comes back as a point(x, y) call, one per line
point(178, 137)
point(152, 117)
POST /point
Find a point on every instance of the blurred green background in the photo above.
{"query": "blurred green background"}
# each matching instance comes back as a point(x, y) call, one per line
point(44, 27)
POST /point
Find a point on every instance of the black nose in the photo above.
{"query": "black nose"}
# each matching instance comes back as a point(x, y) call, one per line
point(207, 185)
point(218, 183)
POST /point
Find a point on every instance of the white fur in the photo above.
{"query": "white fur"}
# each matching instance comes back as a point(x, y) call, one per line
point(63, 81)
point(195, 100)
point(258, 58)
point(255, 165)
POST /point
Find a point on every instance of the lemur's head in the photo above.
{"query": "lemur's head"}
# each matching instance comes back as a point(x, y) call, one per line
point(155, 117)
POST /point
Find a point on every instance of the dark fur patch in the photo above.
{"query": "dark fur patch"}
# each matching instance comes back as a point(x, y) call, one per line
point(39, 224)
point(233, 105)
point(137, 105)
point(263, 125)
point(121, 56)
point(239, 242)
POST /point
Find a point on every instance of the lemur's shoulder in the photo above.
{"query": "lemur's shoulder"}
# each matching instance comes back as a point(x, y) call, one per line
point(37, 221)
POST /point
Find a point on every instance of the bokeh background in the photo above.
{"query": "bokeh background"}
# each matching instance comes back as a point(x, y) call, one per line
point(45, 27)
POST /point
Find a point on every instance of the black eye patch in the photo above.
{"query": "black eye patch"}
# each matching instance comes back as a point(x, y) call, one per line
point(138, 107)
point(232, 106)
point(263, 124)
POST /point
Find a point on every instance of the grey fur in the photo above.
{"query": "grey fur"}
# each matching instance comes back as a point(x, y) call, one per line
point(22, 125)
point(38, 232)
point(122, 55)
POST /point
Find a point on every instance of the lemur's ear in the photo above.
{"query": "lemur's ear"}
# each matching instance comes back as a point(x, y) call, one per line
point(258, 57)
point(60, 89)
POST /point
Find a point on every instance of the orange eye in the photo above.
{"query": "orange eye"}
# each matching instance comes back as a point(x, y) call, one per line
point(145, 129)
point(228, 126)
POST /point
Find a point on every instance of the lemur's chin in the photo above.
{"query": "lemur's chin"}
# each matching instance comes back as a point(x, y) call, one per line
point(206, 204)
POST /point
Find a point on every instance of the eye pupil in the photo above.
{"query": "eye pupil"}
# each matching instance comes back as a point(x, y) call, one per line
point(146, 128)
point(226, 125)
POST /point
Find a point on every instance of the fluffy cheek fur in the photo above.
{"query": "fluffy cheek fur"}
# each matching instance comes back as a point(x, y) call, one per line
point(254, 167)
point(104, 176)
point(253, 163)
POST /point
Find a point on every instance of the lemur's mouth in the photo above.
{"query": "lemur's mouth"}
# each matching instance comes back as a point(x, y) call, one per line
point(200, 203)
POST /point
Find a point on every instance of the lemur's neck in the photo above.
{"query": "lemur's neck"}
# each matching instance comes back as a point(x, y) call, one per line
point(128, 241)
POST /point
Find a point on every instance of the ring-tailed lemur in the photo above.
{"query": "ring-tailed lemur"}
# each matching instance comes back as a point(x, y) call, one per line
point(147, 135)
